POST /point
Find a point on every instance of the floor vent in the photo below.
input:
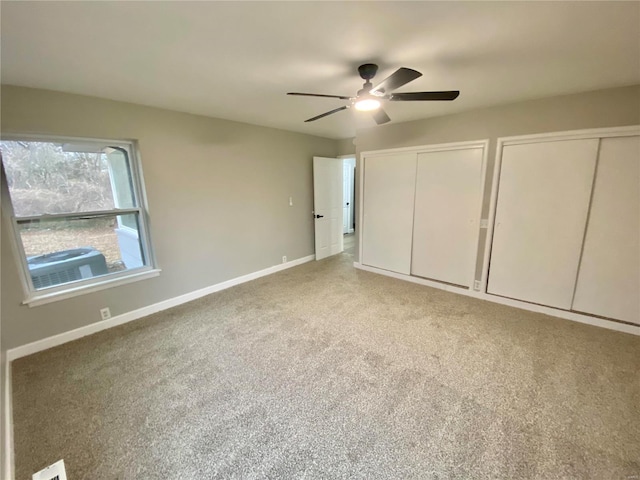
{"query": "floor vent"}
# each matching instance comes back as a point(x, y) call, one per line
point(52, 472)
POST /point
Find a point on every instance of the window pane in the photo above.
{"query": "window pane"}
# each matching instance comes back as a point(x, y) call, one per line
point(49, 178)
point(120, 177)
point(67, 250)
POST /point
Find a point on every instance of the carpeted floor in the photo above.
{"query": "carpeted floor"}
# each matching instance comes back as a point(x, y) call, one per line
point(324, 371)
point(349, 243)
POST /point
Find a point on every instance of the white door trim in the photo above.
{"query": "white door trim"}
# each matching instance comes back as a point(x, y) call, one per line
point(436, 147)
point(626, 131)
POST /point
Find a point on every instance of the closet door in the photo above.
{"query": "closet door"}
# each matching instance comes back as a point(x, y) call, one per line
point(609, 276)
point(543, 200)
point(447, 209)
point(389, 186)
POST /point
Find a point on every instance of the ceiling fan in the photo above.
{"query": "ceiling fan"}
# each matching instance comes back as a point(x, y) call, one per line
point(368, 97)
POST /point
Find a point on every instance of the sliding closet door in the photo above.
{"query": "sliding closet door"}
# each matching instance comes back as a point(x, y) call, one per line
point(543, 200)
point(447, 209)
point(389, 185)
point(609, 277)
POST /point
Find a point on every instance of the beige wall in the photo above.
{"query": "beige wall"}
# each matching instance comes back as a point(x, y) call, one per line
point(218, 194)
point(346, 146)
point(4, 448)
point(597, 109)
point(600, 108)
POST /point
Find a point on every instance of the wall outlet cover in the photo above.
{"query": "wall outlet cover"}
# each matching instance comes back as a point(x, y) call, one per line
point(284, 259)
point(52, 472)
point(105, 313)
point(476, 284)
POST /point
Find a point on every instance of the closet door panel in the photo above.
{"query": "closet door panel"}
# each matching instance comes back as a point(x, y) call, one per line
point(389, 186)
point(543, 201)
point(609, 276)
point(447, 209)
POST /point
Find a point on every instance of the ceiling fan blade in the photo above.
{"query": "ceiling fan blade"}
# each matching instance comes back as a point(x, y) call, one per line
point(380, 116)
point(319, 95)
point(423, 96)
point(326, 113)
point(400, 77)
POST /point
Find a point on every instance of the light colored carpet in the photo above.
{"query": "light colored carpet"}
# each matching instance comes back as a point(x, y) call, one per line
point(324, 371)
point(349, 243)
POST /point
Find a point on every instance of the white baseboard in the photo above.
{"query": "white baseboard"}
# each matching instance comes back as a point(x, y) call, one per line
point(7, 439)
point(71, 335)
point(576, 317)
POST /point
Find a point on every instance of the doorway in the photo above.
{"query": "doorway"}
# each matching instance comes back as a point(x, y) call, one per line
point(349, 198)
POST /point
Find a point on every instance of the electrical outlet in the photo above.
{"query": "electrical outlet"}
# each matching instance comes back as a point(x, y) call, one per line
point(476, 284)
point(284, 259)
point(105, 313)
point(484, 223)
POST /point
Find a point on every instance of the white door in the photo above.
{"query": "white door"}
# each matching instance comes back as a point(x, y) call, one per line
point(327, 205)
point(609, 276)
point(543, 200)
point(389, 187)
point(447, 214)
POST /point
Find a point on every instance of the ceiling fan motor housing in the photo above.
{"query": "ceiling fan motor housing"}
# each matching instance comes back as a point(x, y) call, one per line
point(368, 70)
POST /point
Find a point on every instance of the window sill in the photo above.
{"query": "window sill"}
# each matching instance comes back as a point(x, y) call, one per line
point(44, 298)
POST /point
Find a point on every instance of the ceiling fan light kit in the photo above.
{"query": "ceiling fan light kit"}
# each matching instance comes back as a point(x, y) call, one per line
point(367, 104)
point(368, 98)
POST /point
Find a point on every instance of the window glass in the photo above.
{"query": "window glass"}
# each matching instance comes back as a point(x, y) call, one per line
point(67, 201)
point(50, 178)
point(65, 250)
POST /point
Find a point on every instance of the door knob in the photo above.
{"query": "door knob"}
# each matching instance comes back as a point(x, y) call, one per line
point(318, 216)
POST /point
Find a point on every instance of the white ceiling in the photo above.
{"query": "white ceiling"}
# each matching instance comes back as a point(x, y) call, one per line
point(236, 60)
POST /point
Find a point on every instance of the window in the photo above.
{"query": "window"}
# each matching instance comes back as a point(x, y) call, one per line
point(77, 213)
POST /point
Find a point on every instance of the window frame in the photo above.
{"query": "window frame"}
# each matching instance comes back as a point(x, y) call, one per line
point(45, 295)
